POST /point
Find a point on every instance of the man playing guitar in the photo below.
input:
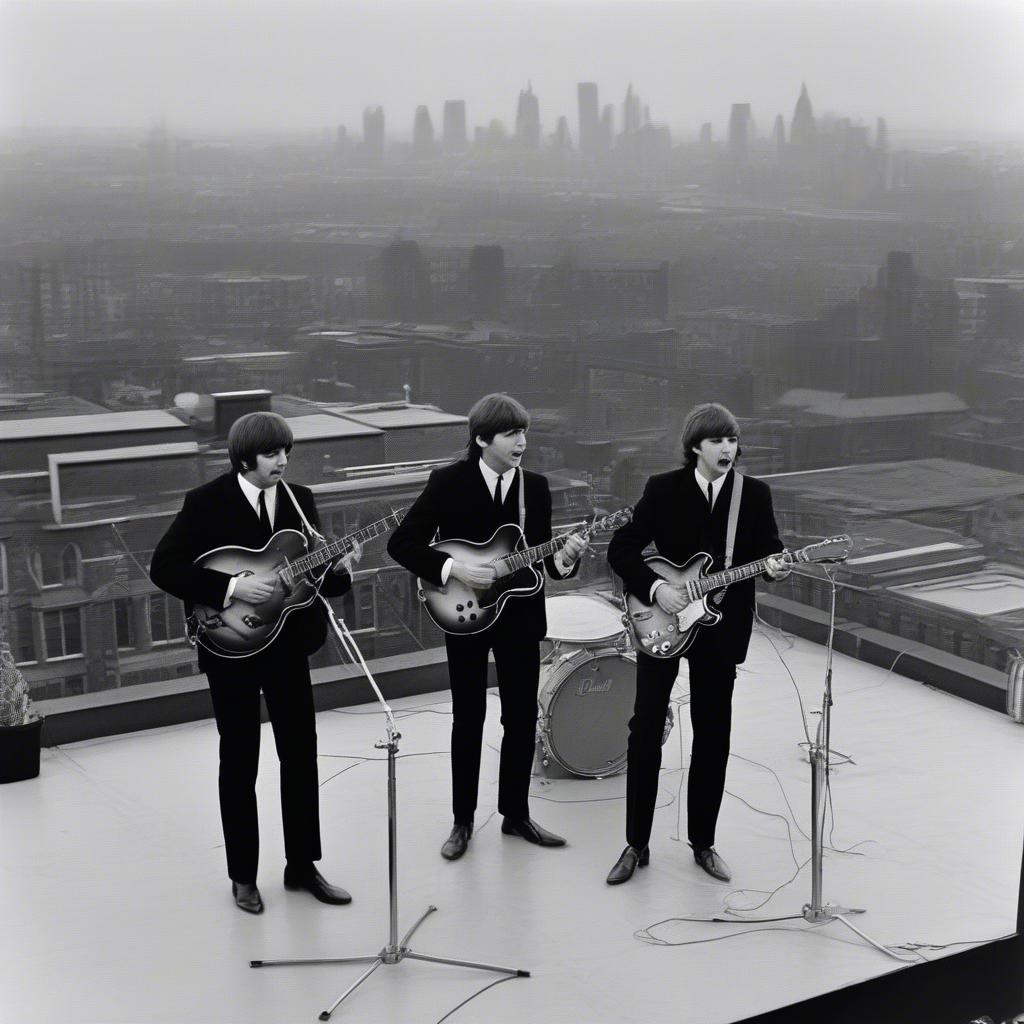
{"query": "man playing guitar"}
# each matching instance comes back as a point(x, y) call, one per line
point(244, 507)
point(685, 512)
point(471, 499)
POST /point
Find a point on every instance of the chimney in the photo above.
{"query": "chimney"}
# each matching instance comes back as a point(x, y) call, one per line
point(229, 406)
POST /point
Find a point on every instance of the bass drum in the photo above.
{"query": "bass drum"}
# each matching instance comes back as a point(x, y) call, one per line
point(586, 702)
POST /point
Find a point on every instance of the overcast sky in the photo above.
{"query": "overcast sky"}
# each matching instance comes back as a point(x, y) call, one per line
point(211, 65)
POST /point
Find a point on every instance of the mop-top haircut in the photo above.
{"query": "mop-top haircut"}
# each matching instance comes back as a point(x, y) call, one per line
point(257, 433)
point(492, 415)
point(704, 421)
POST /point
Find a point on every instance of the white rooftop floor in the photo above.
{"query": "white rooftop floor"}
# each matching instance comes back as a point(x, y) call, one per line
point(115, 905)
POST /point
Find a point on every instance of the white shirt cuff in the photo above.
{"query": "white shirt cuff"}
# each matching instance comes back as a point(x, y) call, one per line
point(230, 591)
point(446, 570)
point(654, 588)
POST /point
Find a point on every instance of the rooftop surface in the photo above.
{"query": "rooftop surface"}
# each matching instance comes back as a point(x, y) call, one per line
point(119, 909)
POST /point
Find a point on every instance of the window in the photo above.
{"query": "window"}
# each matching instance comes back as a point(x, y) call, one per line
point(62, 633)
point(23, 644)
point(46, 568)
point(124, 624)
point(166, 619)
point(70, 562)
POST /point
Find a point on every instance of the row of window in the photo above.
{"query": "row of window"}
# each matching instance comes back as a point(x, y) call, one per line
point(62, 635)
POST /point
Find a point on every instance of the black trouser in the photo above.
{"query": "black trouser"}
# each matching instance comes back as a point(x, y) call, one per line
point(235, 687)
point(711, 685)
point(517, 661)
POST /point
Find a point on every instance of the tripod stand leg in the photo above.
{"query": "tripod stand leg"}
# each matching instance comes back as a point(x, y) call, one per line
point(314, 960)
point(467, 963)
point(408, 935)
point(326, 1014)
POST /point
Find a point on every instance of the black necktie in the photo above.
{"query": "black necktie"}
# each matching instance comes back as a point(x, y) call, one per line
point(711, 496)
point(264, 518)
point(497, 495)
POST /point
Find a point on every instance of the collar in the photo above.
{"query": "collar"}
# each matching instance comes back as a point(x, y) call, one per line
point(716, 485)
point(490, 476)
point(252, 494)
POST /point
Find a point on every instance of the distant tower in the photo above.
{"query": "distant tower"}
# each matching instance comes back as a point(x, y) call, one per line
point(373, 135)
point(607, 133)
point(705, 134)
point(528, 119)
point(422, 134)
point(882, 135)
point(802, 131)
point(453, 139)
point(630, 112)
point(589, 124)
point(562, 139)
point(739, 130)
point(779, 135)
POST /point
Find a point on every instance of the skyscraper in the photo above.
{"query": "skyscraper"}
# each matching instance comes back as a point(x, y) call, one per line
point(881, 135)
point(802, 131)
point(589, 127)
point(422, 134)
point(779, 136)
point(607, 133)
point(373, 135)
point(739, 130)
point(528, 119)
point(630, 112)
point(453, 138)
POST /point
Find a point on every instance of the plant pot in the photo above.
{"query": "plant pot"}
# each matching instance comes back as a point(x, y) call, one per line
point(19, 751)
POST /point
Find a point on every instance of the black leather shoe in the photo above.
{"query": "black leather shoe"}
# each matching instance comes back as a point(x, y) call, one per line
point(247, 897)
point(628, 862)
point(314, 883)
point(529, 830)
point(708, 860)
point(455, 845)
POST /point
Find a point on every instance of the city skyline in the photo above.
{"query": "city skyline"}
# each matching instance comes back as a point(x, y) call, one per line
point(235, 69)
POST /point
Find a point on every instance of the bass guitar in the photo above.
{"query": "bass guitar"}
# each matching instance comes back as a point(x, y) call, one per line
point(663, 634)
point(242, 629)
point(460, 609)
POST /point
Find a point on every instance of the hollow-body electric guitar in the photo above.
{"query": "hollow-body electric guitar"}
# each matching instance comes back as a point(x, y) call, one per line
point(663, 634)
point(459, 609)
point(242, 629)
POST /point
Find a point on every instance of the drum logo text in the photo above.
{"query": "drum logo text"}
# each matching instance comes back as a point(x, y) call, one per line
point(591, 685)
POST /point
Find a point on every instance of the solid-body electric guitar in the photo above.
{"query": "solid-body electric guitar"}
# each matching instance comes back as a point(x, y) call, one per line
point(461, 609)
point(242, 629)
point(663, 634)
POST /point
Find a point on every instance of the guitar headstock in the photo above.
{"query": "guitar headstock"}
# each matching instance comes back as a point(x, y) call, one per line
point(612, 522)
point(832, 550)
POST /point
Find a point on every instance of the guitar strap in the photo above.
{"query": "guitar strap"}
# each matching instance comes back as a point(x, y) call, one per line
point(302, 515)
point(522, 502)
point(730, 529)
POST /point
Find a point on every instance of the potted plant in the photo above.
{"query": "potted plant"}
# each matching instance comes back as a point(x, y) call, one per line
point(20, 725)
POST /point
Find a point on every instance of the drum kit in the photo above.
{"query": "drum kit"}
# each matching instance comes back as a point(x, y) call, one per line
point(587, 689)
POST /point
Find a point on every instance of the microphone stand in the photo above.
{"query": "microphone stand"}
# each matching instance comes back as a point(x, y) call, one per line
point(396, 950)
point(818, 911)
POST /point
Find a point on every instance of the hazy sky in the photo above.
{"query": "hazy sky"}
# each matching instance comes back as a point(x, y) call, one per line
point(212, 65)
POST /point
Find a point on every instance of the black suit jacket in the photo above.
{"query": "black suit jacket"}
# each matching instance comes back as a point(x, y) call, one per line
point(218, 514)
point(456, 504)
point(673, 514)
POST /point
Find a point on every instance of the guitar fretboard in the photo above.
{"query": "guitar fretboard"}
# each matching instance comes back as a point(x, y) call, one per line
point(516, 560)
point(329, 552)
point(717, 580)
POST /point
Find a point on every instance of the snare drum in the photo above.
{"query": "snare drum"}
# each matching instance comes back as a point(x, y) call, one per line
point(586, 701)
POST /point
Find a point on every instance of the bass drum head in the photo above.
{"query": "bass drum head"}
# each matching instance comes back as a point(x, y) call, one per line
point(586, 703)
